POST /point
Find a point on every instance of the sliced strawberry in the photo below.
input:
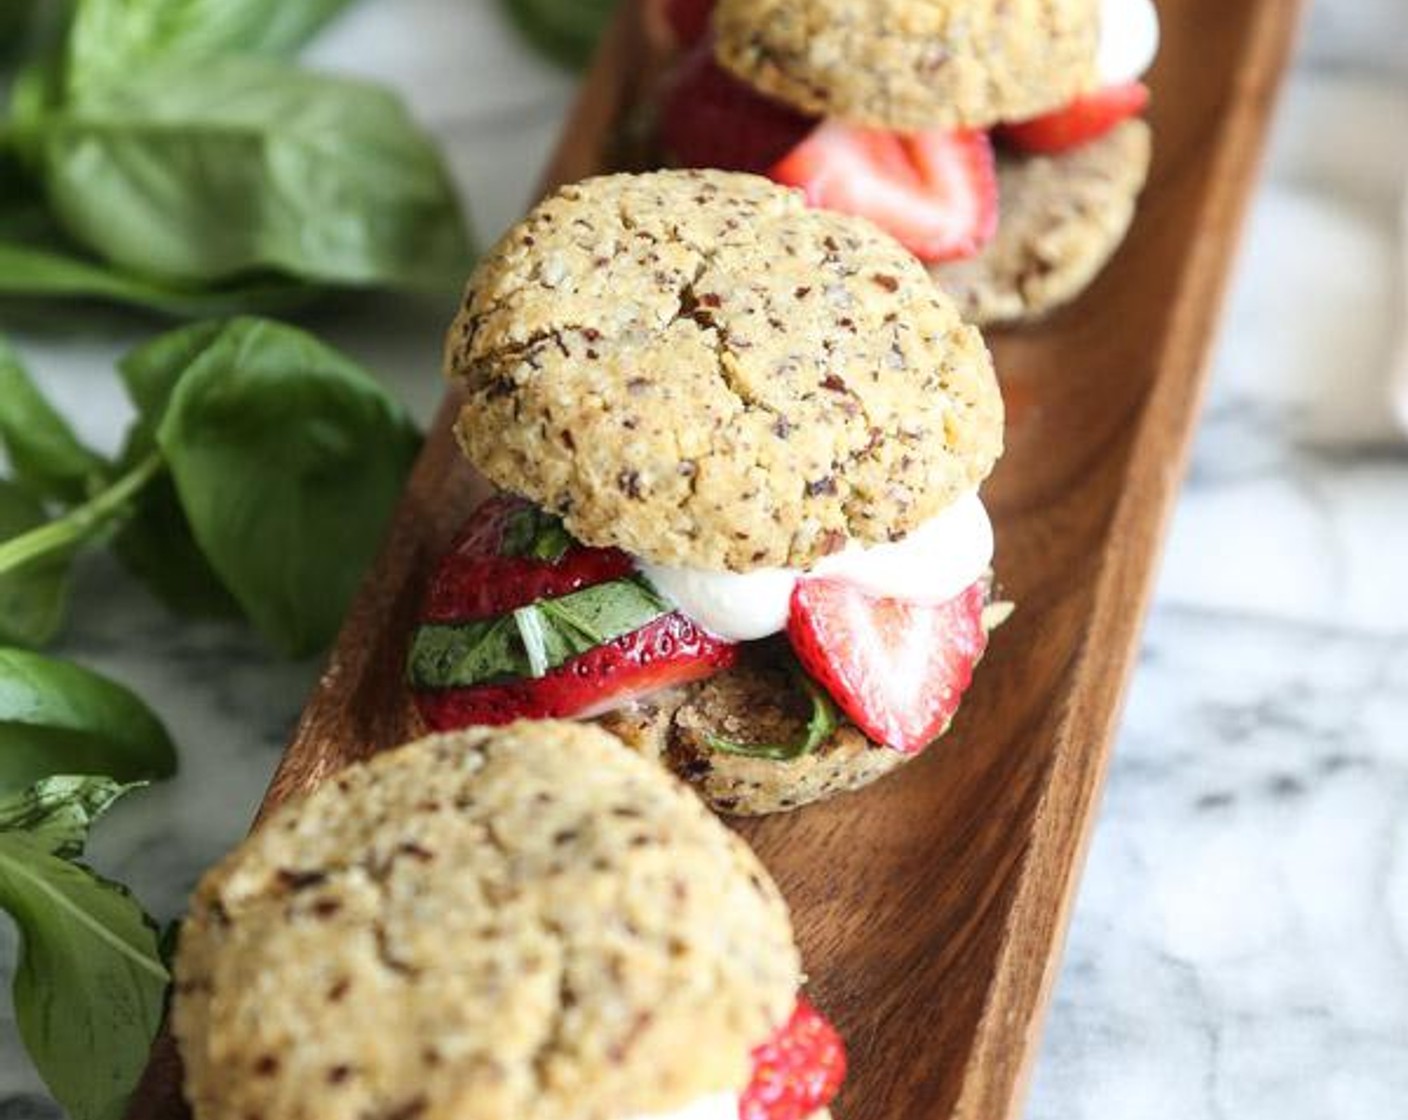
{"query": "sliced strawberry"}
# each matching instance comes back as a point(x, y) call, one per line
point(1083, 120)
point(711, 119)
point(936, 191)
point(689, 19)
point(798, 1071)
point(669, 651)
point(482, 578)
point(898, 669)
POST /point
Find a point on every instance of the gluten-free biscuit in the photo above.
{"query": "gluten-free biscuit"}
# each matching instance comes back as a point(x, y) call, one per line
point(1063, 217)
point(521, 924)
point(695, 367)
point(913, 64)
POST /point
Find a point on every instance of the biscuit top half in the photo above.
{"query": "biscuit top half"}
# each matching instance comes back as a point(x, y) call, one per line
point(696, 368)
point(913, 64)
point(523, 924)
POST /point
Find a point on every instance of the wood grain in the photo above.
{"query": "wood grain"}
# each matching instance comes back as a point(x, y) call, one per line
point(932, 907)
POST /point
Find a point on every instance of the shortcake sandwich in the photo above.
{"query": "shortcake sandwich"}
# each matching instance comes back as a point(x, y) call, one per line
point(738, 444)
point(524, 923)
point(1000, 140)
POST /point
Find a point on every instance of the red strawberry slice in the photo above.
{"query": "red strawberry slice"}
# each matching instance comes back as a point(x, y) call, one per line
point(477, 580)
point(1083, 120)
point(711, 119)
point(898, 669)
point(935, 191)
point(689, 19)
point(669, 651)
point(798, 1071)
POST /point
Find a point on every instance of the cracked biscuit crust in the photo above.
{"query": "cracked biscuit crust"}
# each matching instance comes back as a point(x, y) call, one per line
point(1063, 217)
point(523, 924)
point(913, 64)
point(696, 368)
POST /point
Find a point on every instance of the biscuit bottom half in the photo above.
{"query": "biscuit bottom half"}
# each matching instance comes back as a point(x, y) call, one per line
point(1062, 219)
point(758, 701)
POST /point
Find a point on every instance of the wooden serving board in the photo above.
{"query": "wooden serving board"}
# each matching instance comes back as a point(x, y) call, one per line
point(931, 908)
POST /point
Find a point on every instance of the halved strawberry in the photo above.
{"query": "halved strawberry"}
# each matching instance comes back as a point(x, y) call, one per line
point(669, 651)
point(499, 563)
point(798, 1071)
point(711, 119)
point(935, 191)
point(898, 669)
point(1083, 120)
point(689, 19)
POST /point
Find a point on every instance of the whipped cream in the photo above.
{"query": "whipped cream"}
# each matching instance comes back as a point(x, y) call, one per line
point(938, 561)
point(1129, 40)
point(717, 1106)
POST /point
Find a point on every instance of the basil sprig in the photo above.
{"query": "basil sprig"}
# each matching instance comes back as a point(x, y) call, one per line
point(821, 725)
point(90, 985)
point(258, 476)
point(169, 155)
point(533, 640)
point(57, 717)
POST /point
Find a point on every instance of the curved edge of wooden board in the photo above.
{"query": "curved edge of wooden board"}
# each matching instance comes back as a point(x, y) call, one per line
point(996, 1081)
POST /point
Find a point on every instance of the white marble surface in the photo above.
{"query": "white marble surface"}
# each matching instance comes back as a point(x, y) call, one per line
point(1240, 947)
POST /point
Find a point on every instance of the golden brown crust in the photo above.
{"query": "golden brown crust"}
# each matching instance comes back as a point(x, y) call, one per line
point(696, 368)
point(1063, 218)
point(523, 924)
point(913, 64)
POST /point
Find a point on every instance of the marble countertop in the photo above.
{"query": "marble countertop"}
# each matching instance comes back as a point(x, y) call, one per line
point(1240, 944)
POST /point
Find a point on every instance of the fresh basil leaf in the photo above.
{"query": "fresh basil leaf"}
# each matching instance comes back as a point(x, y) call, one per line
point(90, 985)
point(14, 23)
point(29, 272)
point(467, 653)
point(57, 812)
point(530, 531)
point(822, 724)
point(156, 545)
point(34, 596)
point(597, 615)
point(58, 718)
point(44, 454)
point(288, 459)
point(566, 31)
point(110, 35)
point(533, 640)
point(204, 172)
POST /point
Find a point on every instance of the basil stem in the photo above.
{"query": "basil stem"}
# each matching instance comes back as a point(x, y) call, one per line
point(81, 522)
point(820, 727)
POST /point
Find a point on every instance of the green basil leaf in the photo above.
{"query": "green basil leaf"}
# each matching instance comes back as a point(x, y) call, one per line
point(34, 596)
point(202, 172)
point(824, 721)
point(90, 985)
point(28, 272)
point(57, 812)
point(110, 35)
point(44, 454)
point(467, 653)
point(532, 640)
point(288, 459)
point(58, 718)
point(566, 31)
point(157, 546)
point(533, 532)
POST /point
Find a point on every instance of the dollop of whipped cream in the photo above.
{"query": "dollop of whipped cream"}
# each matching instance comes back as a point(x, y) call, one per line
point(1129, 40)
point(937, 561)
point(717, 1106)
